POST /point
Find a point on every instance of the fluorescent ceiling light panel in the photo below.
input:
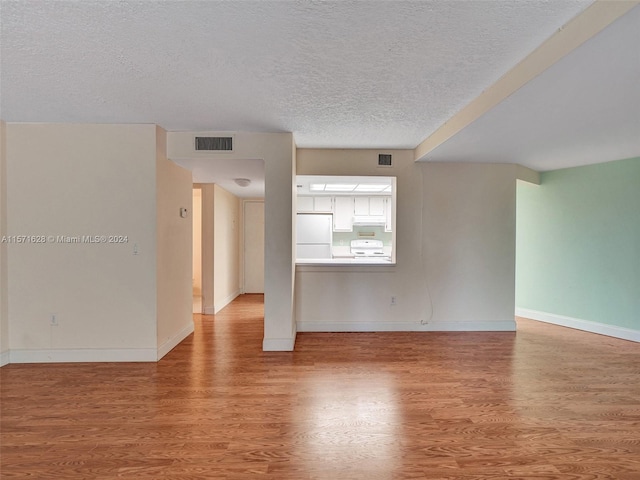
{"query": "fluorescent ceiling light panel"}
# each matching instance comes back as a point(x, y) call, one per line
point(363, 187)
point(340, 187)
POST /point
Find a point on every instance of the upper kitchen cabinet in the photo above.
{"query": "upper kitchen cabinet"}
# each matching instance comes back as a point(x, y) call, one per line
point(343, 214)
point(307, 204)
point(363, 211)
point(304, 204)
point(323, 204)
point(388, 204)
point(377, 204)
point(361, 206)
point(369, 206)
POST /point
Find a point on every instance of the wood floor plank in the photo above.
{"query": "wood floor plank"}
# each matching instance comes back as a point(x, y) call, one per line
point(544, 403)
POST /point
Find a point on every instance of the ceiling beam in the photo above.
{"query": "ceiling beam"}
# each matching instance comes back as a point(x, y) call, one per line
point(591, 21)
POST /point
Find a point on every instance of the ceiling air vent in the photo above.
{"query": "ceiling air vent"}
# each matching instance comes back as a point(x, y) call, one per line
point(384, 160)
point(214, 144)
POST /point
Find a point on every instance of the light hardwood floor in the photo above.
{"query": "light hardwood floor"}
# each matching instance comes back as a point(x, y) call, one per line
point(545, 403)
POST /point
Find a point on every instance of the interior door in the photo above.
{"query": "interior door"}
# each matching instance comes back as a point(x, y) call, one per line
point(254, 247)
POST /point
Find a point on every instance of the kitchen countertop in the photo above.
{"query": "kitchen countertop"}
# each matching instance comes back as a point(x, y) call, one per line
point(342, 256)
point(339, 251)
point(345, 261)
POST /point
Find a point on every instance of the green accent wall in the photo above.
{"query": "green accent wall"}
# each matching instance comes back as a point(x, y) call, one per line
point(578, 243)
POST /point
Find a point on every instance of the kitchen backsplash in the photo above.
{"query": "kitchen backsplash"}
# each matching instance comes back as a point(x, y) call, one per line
point(343, 239)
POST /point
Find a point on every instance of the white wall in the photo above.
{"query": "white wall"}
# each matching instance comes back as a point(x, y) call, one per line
point(4, 313)
point(252, 246)
point(70, 180)
point(278, 152)
point(197, 241)
point(455, 244)
point(207, 248)
point(226, 247)
point(469, 226)
point(174, 246)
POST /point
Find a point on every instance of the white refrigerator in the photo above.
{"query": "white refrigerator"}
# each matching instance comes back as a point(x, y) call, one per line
point(314, 235)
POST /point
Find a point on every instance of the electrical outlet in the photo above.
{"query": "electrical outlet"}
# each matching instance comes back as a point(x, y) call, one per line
point(394, 301)
point(53, 320)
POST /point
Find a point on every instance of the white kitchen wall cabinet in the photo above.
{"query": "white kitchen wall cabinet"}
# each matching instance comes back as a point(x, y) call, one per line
point(376, 205)
point(323, 204)
point(314, 204)
point(343, 214)
point(361, 206)
point(304, 204)
point(388, 209)
point(369, 206)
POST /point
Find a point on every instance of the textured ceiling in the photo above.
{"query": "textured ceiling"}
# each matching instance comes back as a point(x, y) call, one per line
point(371, 74)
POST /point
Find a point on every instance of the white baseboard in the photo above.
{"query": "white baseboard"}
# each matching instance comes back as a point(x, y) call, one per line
point(171, 343)
point(77, 355)
point(225, 302)
point(329, 326)
point(278, 344)
point(579, 324)
point(4, 358)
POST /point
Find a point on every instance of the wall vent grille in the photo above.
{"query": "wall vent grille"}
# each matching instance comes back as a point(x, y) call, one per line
point(215, 144)
point(384, 160)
